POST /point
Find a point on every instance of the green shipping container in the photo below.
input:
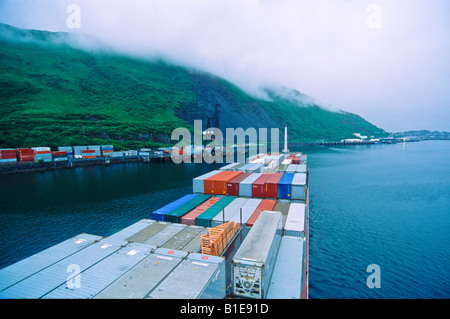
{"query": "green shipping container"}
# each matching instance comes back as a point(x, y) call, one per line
point(175, 215)
point(204, 219)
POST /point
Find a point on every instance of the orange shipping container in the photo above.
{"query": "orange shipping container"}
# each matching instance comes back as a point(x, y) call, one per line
point(217, 184)
point(266, 204)
point(208, 183)
point(189, 218)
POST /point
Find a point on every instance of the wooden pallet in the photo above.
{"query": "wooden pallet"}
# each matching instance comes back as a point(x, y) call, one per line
point(217, 238)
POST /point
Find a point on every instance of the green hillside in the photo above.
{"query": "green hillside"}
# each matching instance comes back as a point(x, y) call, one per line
point(52, 94)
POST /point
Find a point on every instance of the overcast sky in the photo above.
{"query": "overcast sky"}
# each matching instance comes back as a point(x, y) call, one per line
point(388, 61)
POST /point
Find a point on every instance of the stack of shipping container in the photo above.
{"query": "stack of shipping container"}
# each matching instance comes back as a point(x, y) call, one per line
point(59, 156)
point(8, 156)
point(25, 155)
point(87, 154)
point(42, 154)
point(107, 150)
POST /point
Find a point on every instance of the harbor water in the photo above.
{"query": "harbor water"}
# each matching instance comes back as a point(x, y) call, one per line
point(387, 205)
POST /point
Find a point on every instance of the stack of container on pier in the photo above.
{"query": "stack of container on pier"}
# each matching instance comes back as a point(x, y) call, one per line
point(96, 149)
point(88, 154)
point(8, 156)
point(67, 149)
point(59, 156)
point(107, 150)
point(25, 155)
point(77, 151)
point(42, 154)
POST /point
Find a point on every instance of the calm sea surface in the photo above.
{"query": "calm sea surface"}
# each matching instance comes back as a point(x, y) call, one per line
point(387, 205)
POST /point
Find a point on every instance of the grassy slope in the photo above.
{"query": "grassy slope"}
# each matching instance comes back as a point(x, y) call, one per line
point(53, 95)
point(56, 95)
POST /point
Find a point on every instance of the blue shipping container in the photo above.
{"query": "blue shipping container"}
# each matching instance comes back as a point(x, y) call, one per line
point(285, 186)
point(161, 213)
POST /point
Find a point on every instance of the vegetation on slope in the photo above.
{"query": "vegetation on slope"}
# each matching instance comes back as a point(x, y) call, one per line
point(52, 94)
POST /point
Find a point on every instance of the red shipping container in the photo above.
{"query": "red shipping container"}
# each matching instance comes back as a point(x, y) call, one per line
point(266, 204)
point(87, 151)
point(259, 185)
point(233, 185)
point(189, 218)
point(296, 160)
point(271, 186)
point(8, 154)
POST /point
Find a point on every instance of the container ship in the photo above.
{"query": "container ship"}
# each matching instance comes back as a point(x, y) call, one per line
point(242, 233)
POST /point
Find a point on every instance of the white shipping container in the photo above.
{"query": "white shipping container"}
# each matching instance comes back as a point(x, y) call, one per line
point(253, 263)
point(245, 187)
point(41, 149)
point(102, 274)
point(229, 211)
point(197, 183)
point(248, 209)
point(50, 278)
point(142, 279)
point(197, 277)
point(31, 265)
point(299, 186)
point(228, 167)
point(295, 221)
point(287, 278)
